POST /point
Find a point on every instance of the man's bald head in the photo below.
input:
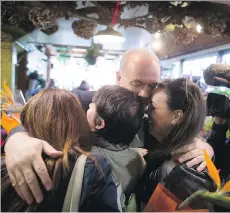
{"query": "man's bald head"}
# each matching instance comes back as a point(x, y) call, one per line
point(139, 71)
point(139, 55)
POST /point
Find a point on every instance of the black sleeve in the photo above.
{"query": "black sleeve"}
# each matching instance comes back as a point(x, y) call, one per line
point(146, 186)
point(221, 148)
point(16, 130)
point(218, 134)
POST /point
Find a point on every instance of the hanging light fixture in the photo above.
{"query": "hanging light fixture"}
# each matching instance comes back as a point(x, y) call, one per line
point(110, 35)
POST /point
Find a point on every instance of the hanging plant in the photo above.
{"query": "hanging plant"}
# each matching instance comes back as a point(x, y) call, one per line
point(184, 35)
point(216, 28)
point(42, 18)
point(153, 24)
point(51, 30)
point(213, 24)
point(92, 53)
point(84, 29)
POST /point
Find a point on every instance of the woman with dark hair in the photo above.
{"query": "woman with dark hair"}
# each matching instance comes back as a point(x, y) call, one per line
point(56, 116)
point(176, 115)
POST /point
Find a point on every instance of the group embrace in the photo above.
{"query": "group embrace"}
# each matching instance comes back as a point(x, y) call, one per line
point(134, 135)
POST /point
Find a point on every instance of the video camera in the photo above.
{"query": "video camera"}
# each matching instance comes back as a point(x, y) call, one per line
point(218, 104)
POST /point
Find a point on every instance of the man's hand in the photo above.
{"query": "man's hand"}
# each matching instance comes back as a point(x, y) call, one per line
point(193, 153)
point(23, 159)
point(219, 120)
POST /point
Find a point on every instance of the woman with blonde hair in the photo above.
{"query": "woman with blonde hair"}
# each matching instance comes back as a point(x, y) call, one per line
point(56, 116)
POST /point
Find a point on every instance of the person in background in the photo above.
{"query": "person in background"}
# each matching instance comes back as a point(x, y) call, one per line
point(52, 84)
point(35, 84)
point(221, 145)
point(84, 86)
point(139, 72)
point(115, 116)
point(176, 115)
point(70, 133)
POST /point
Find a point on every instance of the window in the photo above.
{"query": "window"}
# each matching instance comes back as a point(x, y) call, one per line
point(196, 67)
point(226, 59)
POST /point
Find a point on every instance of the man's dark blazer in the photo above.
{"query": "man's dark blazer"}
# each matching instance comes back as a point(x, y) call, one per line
point(85, 97)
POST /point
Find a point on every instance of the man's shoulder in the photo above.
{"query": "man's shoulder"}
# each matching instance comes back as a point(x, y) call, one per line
point(81, 93)
point(85, 97)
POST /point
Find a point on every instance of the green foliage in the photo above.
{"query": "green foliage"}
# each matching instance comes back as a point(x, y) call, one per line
point(92, 53)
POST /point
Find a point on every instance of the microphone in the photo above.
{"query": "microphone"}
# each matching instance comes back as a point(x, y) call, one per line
point(217, 75)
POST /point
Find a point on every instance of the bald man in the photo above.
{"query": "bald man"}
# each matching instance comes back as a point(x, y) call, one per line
point(139, 72)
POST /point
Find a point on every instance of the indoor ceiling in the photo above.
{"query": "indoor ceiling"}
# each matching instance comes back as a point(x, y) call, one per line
point(137, 20)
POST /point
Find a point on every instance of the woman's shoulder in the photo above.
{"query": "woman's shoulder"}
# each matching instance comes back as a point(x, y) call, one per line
point(183, 182)
point(187, 177)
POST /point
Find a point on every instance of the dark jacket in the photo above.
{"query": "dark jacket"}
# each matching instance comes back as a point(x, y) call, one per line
point(99, 191)
point(85, 97)
point(180, 180)
point(221, 147)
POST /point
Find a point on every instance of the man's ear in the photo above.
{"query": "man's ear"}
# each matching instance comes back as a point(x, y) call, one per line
point(101, 125)
point(177, 117)
point(118, 78)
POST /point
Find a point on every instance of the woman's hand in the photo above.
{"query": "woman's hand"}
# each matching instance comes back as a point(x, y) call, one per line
point(23, 160)
point(141, 151)
point(193, 153)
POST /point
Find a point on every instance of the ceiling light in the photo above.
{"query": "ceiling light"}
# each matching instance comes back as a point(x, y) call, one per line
point(156, 45)
point(199, 28)
point(109, 36)
point(157, 35)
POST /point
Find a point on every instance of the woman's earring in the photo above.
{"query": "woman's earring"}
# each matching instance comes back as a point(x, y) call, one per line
point(177, 118)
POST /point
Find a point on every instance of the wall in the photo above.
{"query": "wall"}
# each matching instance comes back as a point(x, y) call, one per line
point(6, 63)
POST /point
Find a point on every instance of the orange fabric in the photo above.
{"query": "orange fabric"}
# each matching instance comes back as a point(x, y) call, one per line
point(10, 122)
point(162, 200)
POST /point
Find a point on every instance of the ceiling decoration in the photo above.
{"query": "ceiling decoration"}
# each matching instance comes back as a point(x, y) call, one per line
point(184, 35)
point(177, 21)
point(41, 18)
point(84, 29)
